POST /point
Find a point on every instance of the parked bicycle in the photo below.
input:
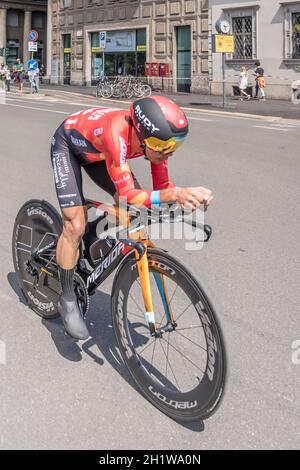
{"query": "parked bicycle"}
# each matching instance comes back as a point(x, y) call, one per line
point(166, 326)
point(104, 87)
point(122, 87)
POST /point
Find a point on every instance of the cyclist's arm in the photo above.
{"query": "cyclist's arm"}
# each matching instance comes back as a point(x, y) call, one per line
point(122, 178)
point(160, 176)
point(166, 192)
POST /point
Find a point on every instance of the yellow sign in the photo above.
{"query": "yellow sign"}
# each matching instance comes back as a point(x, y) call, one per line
point(67, 50)
point(224, 43)
point(141, 48)
point(97, 49)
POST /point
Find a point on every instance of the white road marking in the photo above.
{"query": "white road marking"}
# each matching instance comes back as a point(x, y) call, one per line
point(289, 126)
point(32, 107)
point(272, 128)
point(18, 99)
point(202, 119)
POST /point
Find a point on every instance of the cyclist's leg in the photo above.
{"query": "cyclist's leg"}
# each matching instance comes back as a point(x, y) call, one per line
point(68, 183)
point(99, 174)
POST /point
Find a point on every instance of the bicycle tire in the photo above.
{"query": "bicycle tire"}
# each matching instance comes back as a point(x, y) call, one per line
point(107, 91)
point(203, 400)
point(118, 91)
point(98, 90)
point(146, 90)
point(37, 224)
point(128, 93)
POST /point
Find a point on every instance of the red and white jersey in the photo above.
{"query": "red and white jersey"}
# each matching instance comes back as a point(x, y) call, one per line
point(106, 134)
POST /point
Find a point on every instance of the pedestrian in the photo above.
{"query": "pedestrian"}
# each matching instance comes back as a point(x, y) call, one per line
point(34, 78)
point(20, 74)
point(243, 84)
point(260, 81)
point(8, 78)
point(2, 78)
point(15, 73)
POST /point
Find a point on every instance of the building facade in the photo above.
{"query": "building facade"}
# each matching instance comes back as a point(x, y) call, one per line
point(17, 18)
point(264, 30)
point(136, 32)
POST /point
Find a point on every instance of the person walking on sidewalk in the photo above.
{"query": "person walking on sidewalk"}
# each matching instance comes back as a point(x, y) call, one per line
point(20, 74)
point(243, 84)
point(7, 78)
point(260, 81)
point(34, 80)
point(2, 78)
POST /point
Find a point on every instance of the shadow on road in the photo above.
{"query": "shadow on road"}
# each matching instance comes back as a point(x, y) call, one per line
point(101, 345)
point(13, 282)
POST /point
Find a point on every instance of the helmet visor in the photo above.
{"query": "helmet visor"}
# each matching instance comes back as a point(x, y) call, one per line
point(164, 146)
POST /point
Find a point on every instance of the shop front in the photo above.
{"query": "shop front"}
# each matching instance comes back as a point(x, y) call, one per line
point(124, 53)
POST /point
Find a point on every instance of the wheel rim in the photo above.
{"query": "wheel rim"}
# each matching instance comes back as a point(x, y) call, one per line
point(204, 387)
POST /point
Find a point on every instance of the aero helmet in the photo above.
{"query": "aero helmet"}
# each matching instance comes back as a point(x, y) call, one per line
point(159, 122)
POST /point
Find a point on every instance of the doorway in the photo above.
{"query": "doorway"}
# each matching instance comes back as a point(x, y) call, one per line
point(183, 37)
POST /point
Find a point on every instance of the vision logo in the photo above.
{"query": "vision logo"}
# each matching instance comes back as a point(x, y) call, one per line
point(2, 353)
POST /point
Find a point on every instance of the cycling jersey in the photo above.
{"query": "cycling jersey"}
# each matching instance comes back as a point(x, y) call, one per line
point(104, 134)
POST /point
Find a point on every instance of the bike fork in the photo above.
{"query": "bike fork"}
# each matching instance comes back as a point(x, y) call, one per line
point(144, 275)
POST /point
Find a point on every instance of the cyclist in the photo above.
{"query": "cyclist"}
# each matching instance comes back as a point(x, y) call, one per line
point(102, 141)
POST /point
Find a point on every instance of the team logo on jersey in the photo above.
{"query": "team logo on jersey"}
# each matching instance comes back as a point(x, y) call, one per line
point(123, 150)
point(78, 142)
point(98, 131)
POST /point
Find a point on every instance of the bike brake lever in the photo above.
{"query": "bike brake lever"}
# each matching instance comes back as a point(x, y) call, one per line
point(206, 228)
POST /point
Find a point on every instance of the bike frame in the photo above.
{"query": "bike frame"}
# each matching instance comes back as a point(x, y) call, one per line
point(124, 246)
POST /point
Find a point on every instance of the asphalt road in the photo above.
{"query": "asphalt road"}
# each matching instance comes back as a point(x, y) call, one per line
point(60, 394)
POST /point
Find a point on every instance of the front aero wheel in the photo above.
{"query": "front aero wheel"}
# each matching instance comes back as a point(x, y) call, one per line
point(182, 372)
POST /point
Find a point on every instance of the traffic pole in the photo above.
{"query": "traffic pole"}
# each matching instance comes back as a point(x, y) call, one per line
point(224, 78)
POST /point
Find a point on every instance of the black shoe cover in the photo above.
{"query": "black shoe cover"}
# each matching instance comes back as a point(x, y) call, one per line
point(73, 321)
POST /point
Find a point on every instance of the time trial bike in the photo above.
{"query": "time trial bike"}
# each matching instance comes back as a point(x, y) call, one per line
point(166, 327)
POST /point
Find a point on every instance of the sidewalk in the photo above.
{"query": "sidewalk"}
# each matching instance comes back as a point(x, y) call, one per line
point(275, 108)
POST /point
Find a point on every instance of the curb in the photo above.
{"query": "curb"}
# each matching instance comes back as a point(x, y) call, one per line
point(195, 110)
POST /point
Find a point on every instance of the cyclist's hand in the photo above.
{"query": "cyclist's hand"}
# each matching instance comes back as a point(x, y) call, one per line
point(191, 198)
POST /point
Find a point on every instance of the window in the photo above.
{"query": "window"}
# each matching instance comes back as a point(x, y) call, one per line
point(12, 18)
point(296, 35)
point(37, 20)
point(242, 31)
point(67, 3)
point(141, 37)
point(67, 41)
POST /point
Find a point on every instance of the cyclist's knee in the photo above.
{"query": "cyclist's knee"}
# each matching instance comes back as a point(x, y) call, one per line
point(74, 224)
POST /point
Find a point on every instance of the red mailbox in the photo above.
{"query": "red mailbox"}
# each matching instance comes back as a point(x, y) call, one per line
point(148, 67)
point(164, 70)
point(155, 69)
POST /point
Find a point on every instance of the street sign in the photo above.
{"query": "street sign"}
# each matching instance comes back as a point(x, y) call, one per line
point(223, 43)
point(32, 65)
point(102, 39)
point(32, 46)
point(33, 36)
